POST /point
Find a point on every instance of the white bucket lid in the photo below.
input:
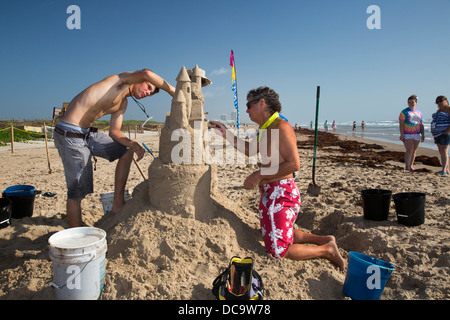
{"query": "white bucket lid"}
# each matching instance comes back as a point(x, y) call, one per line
point(77, 241)
point(108, 196)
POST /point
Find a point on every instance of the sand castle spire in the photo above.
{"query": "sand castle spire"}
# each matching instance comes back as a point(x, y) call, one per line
point(197, 76)
point(183, 76)
point(184, 86)
point(178, 114)
point(186, 113)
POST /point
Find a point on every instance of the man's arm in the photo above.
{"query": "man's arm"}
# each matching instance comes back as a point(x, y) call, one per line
point(147, 75)
point(117, 135)
point(248, 149)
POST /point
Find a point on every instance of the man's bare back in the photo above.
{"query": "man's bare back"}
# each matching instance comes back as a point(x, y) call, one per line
point(108, 96)
point(104, 97)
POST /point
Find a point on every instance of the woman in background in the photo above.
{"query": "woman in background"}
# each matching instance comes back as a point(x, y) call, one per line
point(411, 131)
point(440, 128)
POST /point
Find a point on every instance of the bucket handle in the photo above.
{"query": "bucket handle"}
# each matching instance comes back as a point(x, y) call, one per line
point(408, 216)
point(57, 286)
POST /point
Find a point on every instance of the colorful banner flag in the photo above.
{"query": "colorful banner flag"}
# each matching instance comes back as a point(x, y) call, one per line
point(233, 72)
point(234, 87)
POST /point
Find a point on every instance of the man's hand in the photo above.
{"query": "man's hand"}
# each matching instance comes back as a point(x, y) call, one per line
point(219, 126)
point(253, 180)
point(138, 150)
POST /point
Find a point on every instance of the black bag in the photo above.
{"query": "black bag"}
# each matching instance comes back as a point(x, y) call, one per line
point(239, 281)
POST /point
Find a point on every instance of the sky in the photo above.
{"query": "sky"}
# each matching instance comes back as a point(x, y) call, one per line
point(292, 46)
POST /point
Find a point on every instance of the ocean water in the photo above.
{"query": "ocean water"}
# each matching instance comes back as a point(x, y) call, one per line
point(384, 131)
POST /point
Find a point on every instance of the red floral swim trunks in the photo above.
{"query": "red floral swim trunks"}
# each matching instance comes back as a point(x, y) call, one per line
point(278, 209)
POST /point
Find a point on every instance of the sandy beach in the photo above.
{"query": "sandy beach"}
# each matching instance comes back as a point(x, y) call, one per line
point(155, 255)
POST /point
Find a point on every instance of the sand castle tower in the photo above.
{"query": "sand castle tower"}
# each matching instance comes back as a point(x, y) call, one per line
point(179, 179)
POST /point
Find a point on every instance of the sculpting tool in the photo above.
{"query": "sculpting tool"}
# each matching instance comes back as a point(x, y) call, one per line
point(147, 149)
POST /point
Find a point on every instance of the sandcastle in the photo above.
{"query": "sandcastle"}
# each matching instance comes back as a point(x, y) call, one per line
point(179, 179)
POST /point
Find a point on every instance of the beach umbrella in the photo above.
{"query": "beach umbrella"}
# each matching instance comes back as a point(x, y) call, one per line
point(313, 188)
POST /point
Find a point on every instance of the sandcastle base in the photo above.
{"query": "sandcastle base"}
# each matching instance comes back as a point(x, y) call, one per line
point(181, 189)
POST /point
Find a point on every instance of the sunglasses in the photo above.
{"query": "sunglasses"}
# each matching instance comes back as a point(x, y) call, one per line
point(249, 104)
point(440, 100)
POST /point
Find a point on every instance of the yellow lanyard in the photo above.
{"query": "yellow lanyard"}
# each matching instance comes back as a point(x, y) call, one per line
point(268, 123)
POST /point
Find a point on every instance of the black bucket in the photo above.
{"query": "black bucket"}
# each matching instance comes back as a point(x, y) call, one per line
point(22, 200)
point(5, 212)
point(376, 204)
point(410, 208)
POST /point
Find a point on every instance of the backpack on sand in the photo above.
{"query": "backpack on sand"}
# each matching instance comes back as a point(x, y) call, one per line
point(239, 281)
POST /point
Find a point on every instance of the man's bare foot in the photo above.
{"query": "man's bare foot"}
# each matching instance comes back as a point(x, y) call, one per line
point(334, 256)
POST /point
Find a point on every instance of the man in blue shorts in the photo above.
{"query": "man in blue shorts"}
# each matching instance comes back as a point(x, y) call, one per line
point(77, 142)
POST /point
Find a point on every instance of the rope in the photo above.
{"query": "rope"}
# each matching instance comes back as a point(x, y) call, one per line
point(32, 132)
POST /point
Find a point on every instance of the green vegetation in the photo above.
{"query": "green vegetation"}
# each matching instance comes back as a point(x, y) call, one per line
point(19, 136)
point(105, 123)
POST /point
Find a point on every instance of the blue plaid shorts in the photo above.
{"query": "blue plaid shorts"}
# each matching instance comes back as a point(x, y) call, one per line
point(76, 155)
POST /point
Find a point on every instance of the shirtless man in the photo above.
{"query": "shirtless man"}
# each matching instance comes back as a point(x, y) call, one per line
point(76, 143)
point(280, 197)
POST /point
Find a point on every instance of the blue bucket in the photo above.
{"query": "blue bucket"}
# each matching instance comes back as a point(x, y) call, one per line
point(366, 276)
point(22, 198)
point(20, 190)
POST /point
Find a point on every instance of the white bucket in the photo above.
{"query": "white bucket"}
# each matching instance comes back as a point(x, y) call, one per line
point(108, 197)
point(78, 256)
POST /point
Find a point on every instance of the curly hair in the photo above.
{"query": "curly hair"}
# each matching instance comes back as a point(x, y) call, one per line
point(269, 95)
point(413, 97)
point(440, 99)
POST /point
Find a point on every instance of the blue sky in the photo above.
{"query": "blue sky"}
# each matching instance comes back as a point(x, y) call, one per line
point(291, 46)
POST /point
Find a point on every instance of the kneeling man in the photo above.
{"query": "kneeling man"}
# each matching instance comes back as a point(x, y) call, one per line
point(280, 198)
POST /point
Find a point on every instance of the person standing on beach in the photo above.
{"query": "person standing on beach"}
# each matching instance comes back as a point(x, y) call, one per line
point(77, 143)
point(440, 129)
point(334, 125)
point(354, 126)
point(280, 198)
point(411, 131)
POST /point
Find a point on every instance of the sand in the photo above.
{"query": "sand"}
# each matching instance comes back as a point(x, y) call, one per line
point(156, 255)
